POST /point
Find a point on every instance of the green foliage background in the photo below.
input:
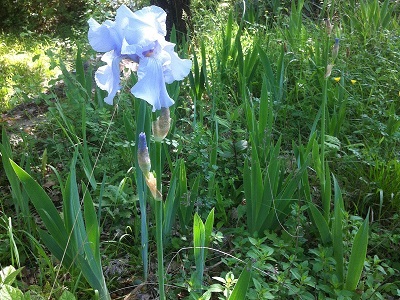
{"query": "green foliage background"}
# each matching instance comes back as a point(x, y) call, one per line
point(50, 16)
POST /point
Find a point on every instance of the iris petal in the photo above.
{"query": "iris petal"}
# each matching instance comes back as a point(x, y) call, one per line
point(108, 77)
point(151, 85)
point(178, 70)
point(154, 17)
point(101, 37)
point(175, 68)
point(143, 26)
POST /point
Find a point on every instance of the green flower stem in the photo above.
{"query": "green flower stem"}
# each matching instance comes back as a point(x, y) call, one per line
point(159, 224)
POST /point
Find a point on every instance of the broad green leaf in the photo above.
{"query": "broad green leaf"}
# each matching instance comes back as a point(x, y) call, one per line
point(186, 209)
point(8, 292)
point(172, 200)
point(8, 274)
point(57, 250)
point(254, 190)
point(321, 223)
point(72, 210)
point(198, 243)
point(16, 191)
point(43, 205)
point(92, 224)
point(67, 295)
point(357, 257)
point(208, 227)
point(242, 285)
point(337, 231)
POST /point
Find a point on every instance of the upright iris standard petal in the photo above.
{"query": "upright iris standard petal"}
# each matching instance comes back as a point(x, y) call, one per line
point(143, 26)
point(108, 77)
point(155, 17)
point(151, 85)
point(101, 37)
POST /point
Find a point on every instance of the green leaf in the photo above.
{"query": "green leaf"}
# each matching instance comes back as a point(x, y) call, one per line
point(43, 205)
point(337, 231)
point(16, 191)
point(67, 295)
point(198, 243)
point(321, 223)
point(186, 209)
point(92, 224)
point(172, 200)
point(208, 227)
point(57, 250)
point(7, 292)
point(254, 190)
point(240, 289)
point(8, 274)
point(357, 257)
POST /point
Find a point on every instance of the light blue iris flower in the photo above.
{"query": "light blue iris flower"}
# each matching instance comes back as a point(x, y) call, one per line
point(140, 37)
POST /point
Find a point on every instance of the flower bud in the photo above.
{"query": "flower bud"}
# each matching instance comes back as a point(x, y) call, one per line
point(161, 125)
point(143, 155)
point(151, 182)
point(335, 49)
point(328, 26)
point(328, 70)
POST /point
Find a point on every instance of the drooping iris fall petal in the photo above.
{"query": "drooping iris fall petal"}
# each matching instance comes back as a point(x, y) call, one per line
point(151, 85)
point(108, 76)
